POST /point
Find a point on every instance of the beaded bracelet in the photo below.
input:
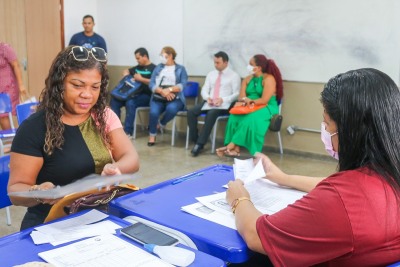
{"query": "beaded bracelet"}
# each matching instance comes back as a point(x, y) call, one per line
point(236, 202)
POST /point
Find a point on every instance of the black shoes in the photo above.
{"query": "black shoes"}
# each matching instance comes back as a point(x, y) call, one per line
point(152, 143)
point(196, 150)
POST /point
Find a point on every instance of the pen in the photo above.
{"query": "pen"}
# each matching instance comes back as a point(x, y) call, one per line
point(180, 180)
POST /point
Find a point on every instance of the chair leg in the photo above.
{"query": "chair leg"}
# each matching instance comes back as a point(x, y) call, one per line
point(187, 137)
point(11, 121)
point(173, 132)
point(141, 122)
point(8, 215)
point(214, 136)
point(135, 124)
point(1, 148)
point(280, 142)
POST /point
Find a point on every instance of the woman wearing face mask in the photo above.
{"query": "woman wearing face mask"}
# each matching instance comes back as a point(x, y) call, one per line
point(351, 217)
point(299, 182)
point(168, 81)
point(263, 86)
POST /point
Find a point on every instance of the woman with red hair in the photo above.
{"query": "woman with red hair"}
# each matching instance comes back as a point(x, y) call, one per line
point(262, 87)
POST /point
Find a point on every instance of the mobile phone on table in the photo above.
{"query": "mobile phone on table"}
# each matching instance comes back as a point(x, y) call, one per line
point(145, 234)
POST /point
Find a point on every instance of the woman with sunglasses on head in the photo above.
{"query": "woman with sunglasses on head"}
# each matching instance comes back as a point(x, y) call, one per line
point(72, 134)
point(350, 218)
point(264, 87)
point(167, 82)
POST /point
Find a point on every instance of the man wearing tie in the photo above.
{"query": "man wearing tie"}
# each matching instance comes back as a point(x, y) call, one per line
point(220, 89)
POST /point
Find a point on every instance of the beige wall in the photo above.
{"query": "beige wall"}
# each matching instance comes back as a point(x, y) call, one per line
point(301, 107)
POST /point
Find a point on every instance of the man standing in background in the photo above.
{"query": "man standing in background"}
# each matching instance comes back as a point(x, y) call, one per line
point(88, 38)
point(220, 89)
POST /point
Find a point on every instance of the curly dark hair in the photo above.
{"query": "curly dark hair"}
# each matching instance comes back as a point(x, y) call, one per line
point(51, 97)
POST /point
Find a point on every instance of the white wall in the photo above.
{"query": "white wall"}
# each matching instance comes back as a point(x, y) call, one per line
point(311, 41)
point(129, 24)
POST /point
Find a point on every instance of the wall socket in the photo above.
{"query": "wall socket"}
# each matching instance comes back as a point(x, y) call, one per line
point(291, 130)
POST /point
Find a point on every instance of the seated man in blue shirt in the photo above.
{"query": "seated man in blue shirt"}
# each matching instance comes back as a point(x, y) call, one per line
point(88, 38)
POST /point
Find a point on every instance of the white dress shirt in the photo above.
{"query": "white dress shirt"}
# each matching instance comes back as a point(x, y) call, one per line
point(229, 89)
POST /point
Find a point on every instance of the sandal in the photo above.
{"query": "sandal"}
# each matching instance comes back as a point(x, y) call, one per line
point(221, 151)
point(152, 143)
point(231, 153)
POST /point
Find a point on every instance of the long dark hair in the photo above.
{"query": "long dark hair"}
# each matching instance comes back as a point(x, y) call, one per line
point(365, 104)
point(51, 97)
point(269, 66)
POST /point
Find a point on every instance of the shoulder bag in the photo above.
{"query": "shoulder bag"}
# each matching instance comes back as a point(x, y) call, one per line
point(245, 109)
point(126, 88)
point(92, 199)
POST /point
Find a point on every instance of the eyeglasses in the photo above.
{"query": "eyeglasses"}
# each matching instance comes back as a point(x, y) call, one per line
point(81, 53)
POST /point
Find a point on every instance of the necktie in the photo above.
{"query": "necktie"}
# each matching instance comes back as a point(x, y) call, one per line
point(217, 86)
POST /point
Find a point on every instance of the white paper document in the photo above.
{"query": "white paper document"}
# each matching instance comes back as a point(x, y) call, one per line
point(87, 218)
point(207, 106)
point(102, 251)
point(247, 171)
point(266, 196)
point(89, 182)
point(204, 212)
point(74, 229)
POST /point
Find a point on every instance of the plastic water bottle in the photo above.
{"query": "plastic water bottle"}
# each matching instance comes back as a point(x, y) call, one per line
point(173, 255)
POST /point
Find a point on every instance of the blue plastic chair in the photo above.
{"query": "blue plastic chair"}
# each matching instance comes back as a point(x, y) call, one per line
point(190, 91)
point(25, 110)
point(4, 175)
point(6, 135)
point(6, 107)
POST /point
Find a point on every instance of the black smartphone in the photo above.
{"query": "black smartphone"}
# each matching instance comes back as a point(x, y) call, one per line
point(145, 234)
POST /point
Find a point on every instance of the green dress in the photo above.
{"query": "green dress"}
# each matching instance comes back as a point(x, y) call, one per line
point(249, 130)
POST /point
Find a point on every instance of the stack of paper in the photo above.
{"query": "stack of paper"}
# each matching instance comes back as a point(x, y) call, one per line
point(267, 196)
point(74, 229)
point(105, 250)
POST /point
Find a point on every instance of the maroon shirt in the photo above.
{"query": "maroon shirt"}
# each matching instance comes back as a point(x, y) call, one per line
point(350, 219)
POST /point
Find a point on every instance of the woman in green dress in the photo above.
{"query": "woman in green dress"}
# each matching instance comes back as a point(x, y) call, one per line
point(262, 87)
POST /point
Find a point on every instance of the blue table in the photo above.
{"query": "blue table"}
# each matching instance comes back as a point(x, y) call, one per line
point(18, 248)
point(161, 203)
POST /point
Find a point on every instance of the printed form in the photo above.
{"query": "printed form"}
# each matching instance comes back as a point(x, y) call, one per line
point(267, 197)
point(102, 251)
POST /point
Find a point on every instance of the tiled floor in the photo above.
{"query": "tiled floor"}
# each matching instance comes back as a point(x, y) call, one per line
point(162, 162)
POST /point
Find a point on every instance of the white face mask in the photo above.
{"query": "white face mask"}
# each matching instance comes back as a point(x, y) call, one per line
point(250, 69)
point(326, 138)
point(163, 59)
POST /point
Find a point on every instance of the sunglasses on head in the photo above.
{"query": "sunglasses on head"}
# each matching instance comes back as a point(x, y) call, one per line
point(81, 53)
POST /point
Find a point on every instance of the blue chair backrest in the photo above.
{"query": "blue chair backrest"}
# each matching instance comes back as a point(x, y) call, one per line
point(191, 89)
point(25, 110)
point(5, 103)
point(4, 175)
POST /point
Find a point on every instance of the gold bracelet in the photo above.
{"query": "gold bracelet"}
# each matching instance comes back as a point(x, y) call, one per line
point(236, 202)
point(36, 188)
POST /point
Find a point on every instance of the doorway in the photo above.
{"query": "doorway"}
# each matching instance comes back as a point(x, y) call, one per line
point(35, 30)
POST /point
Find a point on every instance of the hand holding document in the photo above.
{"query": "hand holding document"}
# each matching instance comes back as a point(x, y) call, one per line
point(268, 197)
point(247, 171)
point(89, 182)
